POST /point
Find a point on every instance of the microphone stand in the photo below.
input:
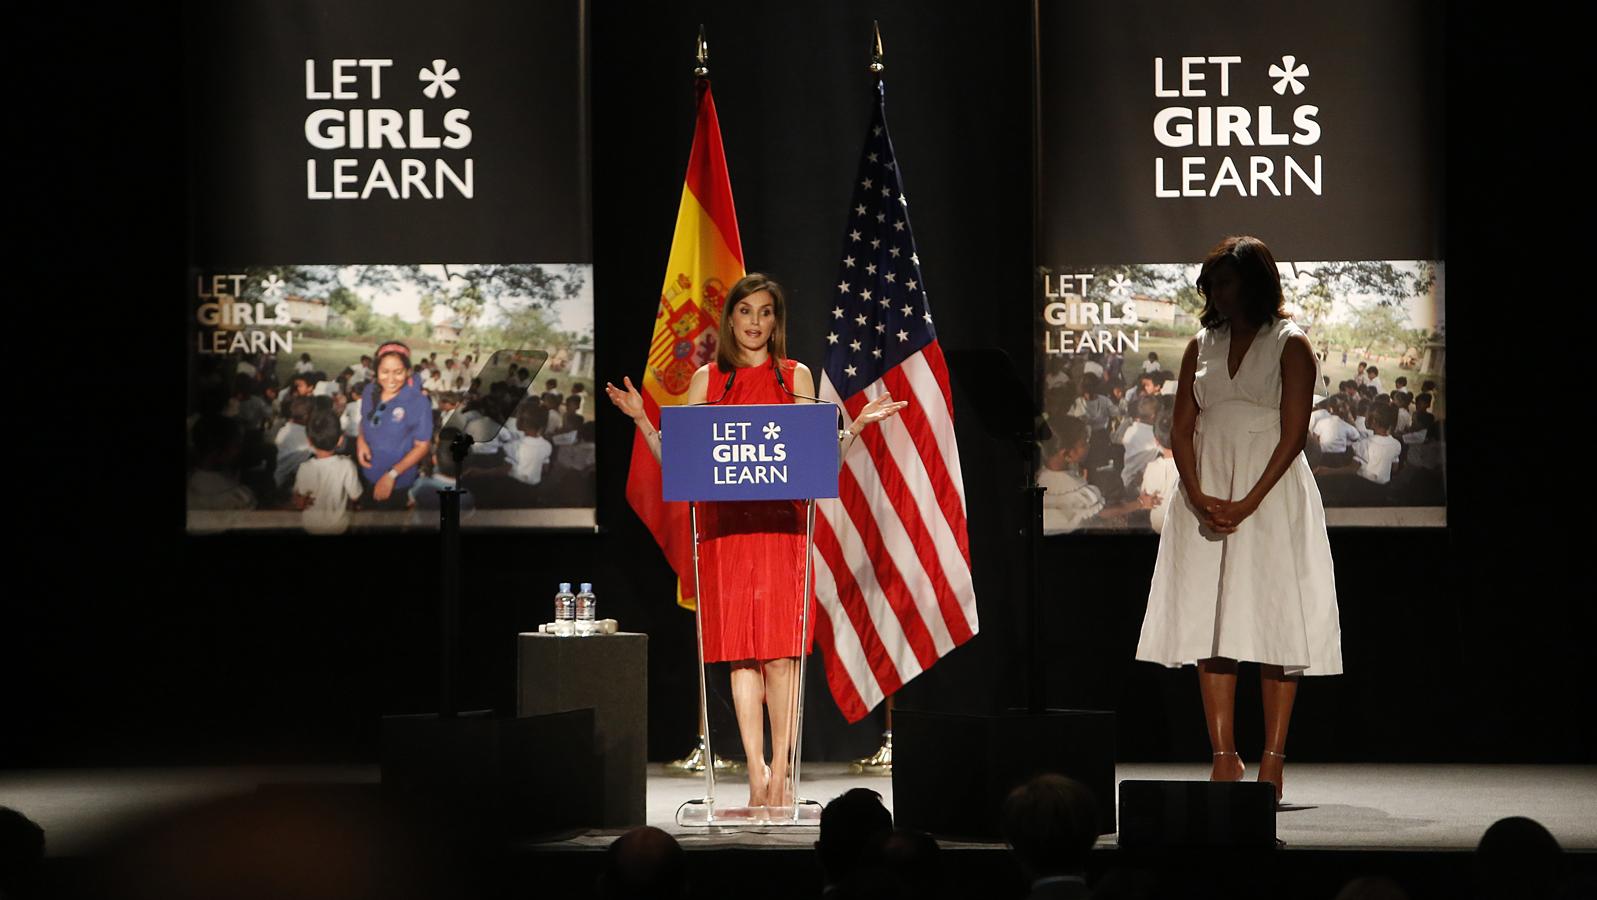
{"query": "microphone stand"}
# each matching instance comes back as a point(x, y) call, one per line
point(782, 383)
point(725, 389)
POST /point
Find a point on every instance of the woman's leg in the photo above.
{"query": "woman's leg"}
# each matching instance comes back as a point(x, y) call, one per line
point(779, 698)
point(1278, 690)
point(748, 700)
point(1217, 679)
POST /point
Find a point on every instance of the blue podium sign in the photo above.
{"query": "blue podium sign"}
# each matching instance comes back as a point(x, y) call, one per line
point(756, 451)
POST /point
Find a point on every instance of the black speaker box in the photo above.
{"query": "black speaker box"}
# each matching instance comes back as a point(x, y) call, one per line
point(610, 675)
point(951, 772)
point(1197, 814)
point(519, 775)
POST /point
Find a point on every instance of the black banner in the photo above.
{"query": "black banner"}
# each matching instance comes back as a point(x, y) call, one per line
point(1166, 127)
point(389, 239)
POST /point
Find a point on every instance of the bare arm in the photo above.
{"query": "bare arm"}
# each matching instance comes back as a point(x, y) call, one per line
point(418, 452)
point(385, 485)
point(1121, 509)
point(882, 406)
point(630, 402)
point(804, 384)
point(1184, 422)
point(1348, 469)
point(1297, 395)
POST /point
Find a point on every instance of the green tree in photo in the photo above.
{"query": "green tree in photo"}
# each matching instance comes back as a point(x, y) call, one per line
point(467, 304)
point(519, 299)
point(1380, 278)
point(343, 301)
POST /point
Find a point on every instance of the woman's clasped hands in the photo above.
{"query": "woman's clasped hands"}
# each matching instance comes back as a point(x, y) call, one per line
point(1220, 515)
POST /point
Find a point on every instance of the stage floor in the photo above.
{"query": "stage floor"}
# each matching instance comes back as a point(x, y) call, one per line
point(1341, 807)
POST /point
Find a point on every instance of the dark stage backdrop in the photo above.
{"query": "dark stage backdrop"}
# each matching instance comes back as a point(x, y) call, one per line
point(129, 642)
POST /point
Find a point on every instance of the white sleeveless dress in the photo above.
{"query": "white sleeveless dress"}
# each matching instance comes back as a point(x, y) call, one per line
point(1266, 592)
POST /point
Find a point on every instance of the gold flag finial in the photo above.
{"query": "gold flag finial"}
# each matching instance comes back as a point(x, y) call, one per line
point(877, 68)
point(702, 55)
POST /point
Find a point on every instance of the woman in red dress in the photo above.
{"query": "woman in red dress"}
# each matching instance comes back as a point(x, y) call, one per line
point(751, 553)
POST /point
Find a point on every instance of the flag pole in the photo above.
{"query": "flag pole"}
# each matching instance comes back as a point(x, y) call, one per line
point(880, 762)
point(876, 67)
point(700, 755)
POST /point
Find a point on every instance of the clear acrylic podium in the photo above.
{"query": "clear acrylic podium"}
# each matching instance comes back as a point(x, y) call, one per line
point(779, 451)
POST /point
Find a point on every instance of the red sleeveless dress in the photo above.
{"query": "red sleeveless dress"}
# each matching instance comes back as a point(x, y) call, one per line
point(751, 553)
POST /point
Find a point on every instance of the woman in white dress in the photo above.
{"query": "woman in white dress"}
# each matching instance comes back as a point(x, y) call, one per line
point(1244, 566)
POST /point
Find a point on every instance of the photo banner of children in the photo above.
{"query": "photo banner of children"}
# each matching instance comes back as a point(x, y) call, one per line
point(326, 398)
point(1110, 341)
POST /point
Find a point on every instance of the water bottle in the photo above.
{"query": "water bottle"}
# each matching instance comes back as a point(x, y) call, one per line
point(564, 610)
point(585, 610)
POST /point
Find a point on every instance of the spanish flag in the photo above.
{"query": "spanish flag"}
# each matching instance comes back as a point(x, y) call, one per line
point(706, 260)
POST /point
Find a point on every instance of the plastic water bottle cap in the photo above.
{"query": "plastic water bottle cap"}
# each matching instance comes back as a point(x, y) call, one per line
point(565, 587)
point(587, 586)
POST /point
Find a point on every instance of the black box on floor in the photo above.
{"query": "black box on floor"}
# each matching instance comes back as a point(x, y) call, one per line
point(952, 772)
point(524, 775)
point(1197, 814)
point(610, 674)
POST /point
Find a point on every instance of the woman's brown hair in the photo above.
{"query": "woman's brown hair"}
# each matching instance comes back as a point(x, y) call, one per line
point(726, 346)
point(1256, 270)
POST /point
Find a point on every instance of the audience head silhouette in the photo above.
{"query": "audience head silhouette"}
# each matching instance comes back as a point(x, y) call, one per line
point(914, 858)
point(853, 828)
point(1051, 822)
point(1372, 887)
point(1518, 857)
point(643, 864)
point(21, 853)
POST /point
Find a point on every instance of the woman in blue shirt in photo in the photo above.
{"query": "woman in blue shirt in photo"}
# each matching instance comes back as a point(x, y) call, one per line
point(396, 430)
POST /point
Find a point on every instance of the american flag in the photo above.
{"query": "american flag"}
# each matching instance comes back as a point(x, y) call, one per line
point(892, 562)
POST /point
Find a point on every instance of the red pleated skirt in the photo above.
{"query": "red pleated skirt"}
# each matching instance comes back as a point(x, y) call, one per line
point(751, 575)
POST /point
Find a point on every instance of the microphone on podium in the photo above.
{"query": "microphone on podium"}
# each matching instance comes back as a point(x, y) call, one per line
point(782, 383)
point(725, 389)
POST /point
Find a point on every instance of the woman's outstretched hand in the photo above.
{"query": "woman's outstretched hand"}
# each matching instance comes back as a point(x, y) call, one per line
point(882, 406)
point(628, 401)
